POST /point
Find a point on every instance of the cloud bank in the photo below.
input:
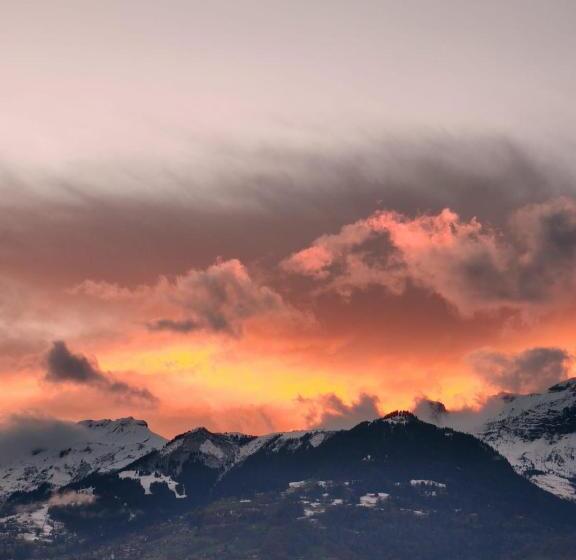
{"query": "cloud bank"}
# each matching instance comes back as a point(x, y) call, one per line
point(430, 266)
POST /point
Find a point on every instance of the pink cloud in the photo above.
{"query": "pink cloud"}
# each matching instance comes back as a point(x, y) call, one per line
point(528, 266)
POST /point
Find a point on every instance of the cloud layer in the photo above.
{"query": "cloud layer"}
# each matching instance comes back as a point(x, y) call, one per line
point(424, 253)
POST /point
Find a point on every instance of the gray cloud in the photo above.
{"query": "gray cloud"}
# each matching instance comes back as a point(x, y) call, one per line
point(221, 298)
point(65, 367)
point(430, 411)
point(532, 370)
point(331, 413)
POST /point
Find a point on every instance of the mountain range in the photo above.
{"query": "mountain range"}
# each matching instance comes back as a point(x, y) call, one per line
point(344, 494)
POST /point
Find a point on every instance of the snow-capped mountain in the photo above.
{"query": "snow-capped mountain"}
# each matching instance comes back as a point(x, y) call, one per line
point(226, 450)
point(396, 466)
point(200, 465)
point(137, 459)
point(536, 433)
point(191, 465)
point(95, 446)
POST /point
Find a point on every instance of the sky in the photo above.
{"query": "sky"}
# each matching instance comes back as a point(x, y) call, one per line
point(261, 216)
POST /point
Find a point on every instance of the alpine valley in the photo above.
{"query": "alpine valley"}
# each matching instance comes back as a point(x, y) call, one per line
point(396, 487)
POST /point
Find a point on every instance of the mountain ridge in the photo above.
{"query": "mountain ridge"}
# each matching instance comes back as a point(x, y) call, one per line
point(535, 432)
point(395, 473)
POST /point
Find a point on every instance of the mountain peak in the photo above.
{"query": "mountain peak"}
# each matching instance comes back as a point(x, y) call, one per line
point(200, 431)
point(110, 423)
point(399, 417)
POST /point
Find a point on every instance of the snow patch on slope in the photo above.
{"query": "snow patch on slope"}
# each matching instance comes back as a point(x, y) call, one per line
point(208, 448)
point(146, 481)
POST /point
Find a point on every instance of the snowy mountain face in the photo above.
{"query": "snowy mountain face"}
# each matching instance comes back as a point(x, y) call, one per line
point(97, 446)
point(536, 433)
point(396, 468)
point(139, 461)
point(191, 468)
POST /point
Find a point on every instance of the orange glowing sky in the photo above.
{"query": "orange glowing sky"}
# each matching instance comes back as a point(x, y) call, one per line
point(271, 216)
point(389, 314)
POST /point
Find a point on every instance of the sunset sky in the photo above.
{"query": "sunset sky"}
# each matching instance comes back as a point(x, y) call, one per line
point(261, 216)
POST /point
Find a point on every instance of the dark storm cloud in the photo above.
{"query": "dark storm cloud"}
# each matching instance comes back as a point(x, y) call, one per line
point(534, 369)
point(331, 413)
point(65, 367)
